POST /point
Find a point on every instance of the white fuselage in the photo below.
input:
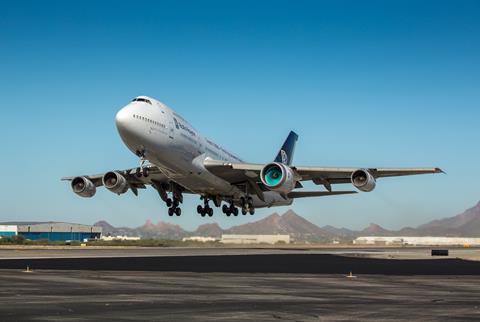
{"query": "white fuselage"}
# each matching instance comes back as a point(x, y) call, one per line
point(168, 141)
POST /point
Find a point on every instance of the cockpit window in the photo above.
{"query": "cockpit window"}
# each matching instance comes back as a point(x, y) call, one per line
point(139, 99)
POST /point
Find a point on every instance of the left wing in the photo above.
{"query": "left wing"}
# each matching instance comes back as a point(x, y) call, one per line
point(237, 173)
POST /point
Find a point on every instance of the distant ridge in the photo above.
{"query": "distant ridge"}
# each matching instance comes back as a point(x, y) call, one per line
point(289, 223)
point(466, 224)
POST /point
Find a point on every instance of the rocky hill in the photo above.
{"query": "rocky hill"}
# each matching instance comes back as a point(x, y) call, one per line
point(289, 223)
point(466, 224)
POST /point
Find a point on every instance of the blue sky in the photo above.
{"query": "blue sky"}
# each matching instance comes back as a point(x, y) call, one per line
point(365, 84)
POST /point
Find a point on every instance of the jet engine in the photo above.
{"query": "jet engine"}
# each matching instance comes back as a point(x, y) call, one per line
point(83, 187)
point(278, 177)
point(363, 180)
point(115, 182)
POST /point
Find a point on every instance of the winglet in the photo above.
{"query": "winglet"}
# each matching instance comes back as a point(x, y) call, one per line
point(438, 170)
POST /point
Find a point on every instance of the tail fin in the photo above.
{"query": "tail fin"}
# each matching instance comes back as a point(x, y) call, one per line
point(285, 155)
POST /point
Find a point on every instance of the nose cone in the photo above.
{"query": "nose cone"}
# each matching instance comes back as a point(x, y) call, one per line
point(126, 126)
point(122, 118)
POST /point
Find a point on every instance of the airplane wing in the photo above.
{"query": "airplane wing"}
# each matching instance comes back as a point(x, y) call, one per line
point(304, 194)
point(241, 172)
point(155, 178)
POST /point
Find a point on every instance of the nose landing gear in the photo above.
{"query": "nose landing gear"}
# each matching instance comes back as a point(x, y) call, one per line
point(142, 170)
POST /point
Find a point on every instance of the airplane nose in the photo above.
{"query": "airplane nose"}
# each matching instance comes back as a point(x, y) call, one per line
point(121, 119)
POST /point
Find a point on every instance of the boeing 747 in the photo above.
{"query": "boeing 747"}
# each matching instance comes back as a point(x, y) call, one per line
point(175, 159)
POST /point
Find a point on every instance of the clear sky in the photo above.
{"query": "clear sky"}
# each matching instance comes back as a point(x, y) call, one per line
point(364, 83)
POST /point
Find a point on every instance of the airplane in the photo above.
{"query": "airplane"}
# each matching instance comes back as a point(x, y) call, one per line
point(175, 159)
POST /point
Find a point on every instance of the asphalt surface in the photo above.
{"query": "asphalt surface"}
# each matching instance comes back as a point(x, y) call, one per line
point(168, 296)
point(78, 284)
point(12, 252)
point(414, 261)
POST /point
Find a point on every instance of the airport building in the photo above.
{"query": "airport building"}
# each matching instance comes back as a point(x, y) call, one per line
point(201, 239)
point(53, 231)
point(255, 239)
point(417, 241)
point(120, 237)
point(8, 230)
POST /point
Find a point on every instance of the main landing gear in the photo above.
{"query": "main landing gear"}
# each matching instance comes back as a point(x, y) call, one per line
point(230, 210)
point(247, 205)
point(177, 199)
point(206, 209)
point(173, 208)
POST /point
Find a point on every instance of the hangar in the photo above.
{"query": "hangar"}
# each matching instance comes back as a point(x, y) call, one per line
point(53, 231)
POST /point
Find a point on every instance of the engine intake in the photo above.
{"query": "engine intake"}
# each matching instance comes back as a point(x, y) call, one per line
point(115, 182)
point(278, 177)
point(83, 187)
point(363, 180)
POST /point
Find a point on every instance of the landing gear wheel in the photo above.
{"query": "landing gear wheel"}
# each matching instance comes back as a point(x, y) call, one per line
point(202, 213)
point(199, 209)
point(145, 172)
point(169, 202)
point(251, 211)
point(170, 212)
point(242, 202)
point(210, 212)
point(178, 211)
point(235, 211)
point(225, 209)
point(138, 172)
point(244, 211)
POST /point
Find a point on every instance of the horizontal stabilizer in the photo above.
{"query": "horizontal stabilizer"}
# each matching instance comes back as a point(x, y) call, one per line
point(304, 194)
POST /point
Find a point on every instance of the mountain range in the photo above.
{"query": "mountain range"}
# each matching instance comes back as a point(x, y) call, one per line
point(466, 224)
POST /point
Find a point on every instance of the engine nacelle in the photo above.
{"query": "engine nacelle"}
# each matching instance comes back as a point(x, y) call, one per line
point(363, 180)
point(83, 187)
point(115, 182)
point(278, 177)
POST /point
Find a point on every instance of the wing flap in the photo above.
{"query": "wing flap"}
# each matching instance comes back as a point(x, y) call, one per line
point(304, 194)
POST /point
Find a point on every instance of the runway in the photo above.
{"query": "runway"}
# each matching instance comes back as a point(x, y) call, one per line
point(239, 284)
point(383, 261)
point(168, 296)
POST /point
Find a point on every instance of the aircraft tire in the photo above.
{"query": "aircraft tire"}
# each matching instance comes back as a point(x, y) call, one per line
point(210, 212)
point(235, 211)
point(178, 211)
point(170, 211)
point(251, 211)
point(169, 202)
point(244, 211)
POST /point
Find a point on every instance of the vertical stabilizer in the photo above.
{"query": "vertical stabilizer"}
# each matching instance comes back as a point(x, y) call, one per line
point(285, 155)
